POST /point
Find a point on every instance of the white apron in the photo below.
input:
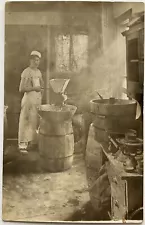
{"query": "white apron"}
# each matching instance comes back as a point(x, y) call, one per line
point(28, 122)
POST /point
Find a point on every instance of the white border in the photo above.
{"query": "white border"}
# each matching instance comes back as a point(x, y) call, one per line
point(2, 9)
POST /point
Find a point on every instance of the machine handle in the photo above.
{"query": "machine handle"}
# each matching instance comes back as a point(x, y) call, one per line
point(116, 203)
point(115, 180)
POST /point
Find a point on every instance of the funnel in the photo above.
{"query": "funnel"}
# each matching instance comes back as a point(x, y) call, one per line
point(59, 85)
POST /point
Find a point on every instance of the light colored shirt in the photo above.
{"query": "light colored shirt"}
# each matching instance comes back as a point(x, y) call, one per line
point(30, 78)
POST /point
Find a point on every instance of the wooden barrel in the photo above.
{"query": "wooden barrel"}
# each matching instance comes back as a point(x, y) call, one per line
point(81, 124)
point(56, 145)
point(77, 122)
point(112, 117)
point(54, 128)
point(114, 123)
point(93, 157)
point(96, 177)
point(102, 135)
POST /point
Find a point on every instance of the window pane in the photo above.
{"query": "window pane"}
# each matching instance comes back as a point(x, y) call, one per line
point(79, 52)
point(62, 47)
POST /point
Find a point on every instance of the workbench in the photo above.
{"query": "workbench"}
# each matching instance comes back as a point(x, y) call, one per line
point(126, 188)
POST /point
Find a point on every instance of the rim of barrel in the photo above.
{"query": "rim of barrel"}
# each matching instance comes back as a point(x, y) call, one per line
point(103, 101)
point(65, 107)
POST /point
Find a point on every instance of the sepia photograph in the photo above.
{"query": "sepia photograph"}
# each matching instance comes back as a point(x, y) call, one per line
point(73, 112)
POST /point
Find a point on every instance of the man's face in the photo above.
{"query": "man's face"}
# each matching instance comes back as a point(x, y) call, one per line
point(35, 62)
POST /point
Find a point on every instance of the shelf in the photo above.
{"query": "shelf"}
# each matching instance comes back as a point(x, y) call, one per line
point(134, 60)
point(141, 60)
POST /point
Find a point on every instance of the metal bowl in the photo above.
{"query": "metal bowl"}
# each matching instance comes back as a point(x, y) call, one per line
point(55, 113)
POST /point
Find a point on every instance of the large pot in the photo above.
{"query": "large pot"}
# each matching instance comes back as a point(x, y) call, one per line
point(113, 107)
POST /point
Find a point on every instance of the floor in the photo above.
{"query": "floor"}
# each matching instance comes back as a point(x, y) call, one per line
point(30, 194)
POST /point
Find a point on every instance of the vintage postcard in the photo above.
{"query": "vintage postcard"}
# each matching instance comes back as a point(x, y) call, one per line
point(73, 112)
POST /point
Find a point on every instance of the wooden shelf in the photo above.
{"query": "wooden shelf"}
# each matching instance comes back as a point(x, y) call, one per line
point(134, 60)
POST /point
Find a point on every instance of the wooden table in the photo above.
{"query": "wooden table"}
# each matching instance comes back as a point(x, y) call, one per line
point(126, 188)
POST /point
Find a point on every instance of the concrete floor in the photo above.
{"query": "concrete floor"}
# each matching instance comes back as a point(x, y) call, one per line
point(30, 194)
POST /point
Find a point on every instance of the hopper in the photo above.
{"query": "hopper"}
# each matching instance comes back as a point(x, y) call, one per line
point(59, 85)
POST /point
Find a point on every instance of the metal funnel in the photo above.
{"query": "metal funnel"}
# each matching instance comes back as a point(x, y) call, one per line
point(59, 85)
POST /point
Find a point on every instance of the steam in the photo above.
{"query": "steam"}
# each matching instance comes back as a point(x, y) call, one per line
point(108, 70)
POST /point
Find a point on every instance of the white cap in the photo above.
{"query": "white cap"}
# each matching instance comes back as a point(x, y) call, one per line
point(36, 53)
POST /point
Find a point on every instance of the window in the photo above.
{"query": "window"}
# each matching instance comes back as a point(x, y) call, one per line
point(71, 52)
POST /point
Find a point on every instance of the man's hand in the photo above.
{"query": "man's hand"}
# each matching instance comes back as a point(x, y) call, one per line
point(37, 89)
point(42, 92)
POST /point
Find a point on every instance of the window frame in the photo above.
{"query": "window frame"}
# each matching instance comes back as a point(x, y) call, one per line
point(65, 30)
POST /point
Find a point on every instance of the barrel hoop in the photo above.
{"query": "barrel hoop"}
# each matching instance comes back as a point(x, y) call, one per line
point(56, 158)
point(94, 170)
point(52, 135)
point(91, 167)
point(100, 129)
point(92, 153)
point(94, 197)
